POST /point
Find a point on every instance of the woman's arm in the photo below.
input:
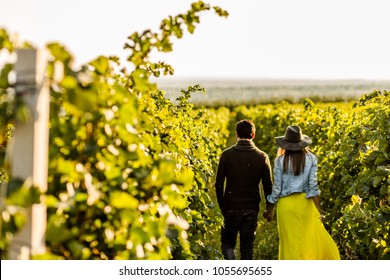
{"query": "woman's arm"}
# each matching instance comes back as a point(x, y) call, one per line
point(316, 200)
point(276, 188)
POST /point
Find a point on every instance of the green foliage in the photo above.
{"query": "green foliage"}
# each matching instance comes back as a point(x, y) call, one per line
point(357, 172)
point(6, 98)
point(6, 42)
point(130, 171)
point(267, 241)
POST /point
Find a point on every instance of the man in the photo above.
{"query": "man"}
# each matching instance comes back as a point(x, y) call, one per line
point(243, 166)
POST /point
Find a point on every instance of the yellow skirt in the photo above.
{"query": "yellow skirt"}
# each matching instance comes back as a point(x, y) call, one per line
point(302, 236)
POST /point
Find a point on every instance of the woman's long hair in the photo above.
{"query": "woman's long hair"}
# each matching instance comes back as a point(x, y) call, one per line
point(295, 159)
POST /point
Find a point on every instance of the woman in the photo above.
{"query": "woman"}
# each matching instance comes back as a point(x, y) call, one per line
point(301, 232)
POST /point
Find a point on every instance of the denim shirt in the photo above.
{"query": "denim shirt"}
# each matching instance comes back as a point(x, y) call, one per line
point(287, 183)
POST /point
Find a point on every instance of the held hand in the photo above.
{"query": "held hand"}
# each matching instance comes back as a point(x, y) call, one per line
point(268, 214)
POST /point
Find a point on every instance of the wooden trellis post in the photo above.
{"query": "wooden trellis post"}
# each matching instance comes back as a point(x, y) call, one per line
point(29, 158)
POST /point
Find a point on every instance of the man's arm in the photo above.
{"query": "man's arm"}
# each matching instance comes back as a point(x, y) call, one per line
point(267, 188)
point(267, 179)
point(220, 181)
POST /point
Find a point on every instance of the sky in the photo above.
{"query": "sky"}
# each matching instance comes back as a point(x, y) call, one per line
point(281, 39)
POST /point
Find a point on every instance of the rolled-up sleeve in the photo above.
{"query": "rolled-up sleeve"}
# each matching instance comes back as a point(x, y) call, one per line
point(276, 189)
point(313, 186)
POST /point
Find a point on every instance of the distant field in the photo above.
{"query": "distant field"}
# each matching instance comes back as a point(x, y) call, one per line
point(235, 92)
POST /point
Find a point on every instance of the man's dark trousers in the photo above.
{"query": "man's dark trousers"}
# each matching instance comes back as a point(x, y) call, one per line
point(243, 222)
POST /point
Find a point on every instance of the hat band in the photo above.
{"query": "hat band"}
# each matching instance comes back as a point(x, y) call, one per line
point(293, 139)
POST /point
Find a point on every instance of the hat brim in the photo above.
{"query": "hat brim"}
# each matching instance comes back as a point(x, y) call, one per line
point(291, 146)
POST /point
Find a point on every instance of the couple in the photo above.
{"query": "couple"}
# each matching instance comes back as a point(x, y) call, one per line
point(243, 166)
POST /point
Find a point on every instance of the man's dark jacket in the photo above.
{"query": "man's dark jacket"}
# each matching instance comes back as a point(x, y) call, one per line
point(243, 166)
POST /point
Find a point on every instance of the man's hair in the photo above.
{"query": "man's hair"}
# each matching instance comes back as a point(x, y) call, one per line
point(245, 129)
